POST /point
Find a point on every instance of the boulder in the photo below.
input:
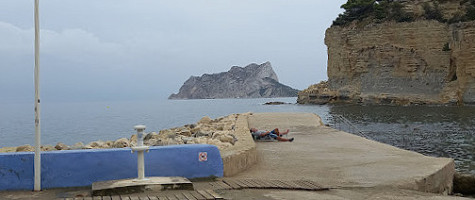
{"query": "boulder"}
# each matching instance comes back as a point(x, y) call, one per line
point(78, 145)
point(61, 146)
point(133, 140)
point(153, 142)
point(205, 120)
point(121, 143)
point(47, 148)
point(25, 148)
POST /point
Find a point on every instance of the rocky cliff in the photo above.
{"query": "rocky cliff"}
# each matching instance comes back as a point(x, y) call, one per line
point(252, 81)
point(418, 62)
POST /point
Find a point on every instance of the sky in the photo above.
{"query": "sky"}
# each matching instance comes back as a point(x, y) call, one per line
point(105, 50)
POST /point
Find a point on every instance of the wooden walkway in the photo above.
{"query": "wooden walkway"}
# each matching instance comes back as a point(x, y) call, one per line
point(206, 190)
point(238, 184)
point(168, 195)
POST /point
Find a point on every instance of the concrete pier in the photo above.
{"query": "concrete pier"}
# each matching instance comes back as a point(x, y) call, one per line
point(355, 167)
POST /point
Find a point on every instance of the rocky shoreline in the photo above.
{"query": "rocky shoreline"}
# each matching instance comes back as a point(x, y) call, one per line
point(218, 132)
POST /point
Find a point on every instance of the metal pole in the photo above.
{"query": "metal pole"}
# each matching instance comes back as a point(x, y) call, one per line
point(37, 186)
point(140, 148)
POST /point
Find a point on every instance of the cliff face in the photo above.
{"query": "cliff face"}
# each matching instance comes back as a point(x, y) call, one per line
point(421, 62)
point(252, 81)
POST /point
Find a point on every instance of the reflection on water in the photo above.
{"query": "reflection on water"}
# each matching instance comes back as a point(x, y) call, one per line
point(430, 130)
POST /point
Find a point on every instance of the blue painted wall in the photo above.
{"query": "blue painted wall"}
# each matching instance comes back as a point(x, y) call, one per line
point(77, 168)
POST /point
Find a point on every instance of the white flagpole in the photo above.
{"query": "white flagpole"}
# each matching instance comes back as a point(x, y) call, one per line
point(37, 102)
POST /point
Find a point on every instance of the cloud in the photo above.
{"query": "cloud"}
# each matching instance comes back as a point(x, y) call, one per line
point(71, 45)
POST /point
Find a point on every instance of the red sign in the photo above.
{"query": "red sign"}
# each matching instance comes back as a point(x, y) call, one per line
point(203, 156)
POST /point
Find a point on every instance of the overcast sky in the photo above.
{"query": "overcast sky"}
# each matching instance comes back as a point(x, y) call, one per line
point(94, 50)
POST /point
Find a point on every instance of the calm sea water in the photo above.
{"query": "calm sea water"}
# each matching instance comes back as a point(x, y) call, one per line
point(434, 131)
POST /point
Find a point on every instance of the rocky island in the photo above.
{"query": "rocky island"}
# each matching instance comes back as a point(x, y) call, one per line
point(252, 81)
point(399, 52)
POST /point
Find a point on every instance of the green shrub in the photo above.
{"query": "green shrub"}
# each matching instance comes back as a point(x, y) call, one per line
point(433, 12)
point(379, 10)
point(446, 47)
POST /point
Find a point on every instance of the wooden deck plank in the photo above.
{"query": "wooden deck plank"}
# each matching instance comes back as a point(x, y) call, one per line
point(152, 197)
point(115, 197)
point(303, 185)
point(197, 195)
point(232, 184)
point(106, 198)
point(124, 197)
point(189, 196)
point(171, 197)
point(269, 184)
point(143, 197)
point(241, 183)
point(292, 185)
point(162, 198)
point(133, 197)
point(281, 184)
point(214, 194)
point(180, 196)
point(257, 183)
point(316, 185)
point(250, 183)
point(205, 194)
point(222, 186)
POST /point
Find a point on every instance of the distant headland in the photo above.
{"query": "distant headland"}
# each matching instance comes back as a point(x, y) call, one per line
point(252, 81)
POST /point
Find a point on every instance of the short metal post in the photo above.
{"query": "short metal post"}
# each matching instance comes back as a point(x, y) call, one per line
point(140, 148)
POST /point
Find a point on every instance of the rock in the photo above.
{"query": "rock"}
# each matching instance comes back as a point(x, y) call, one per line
point(190, 126)
point(205, 120)
point(108, 144)
point(185, 133)
point(25, 148)
point(153, 142)
point(150, 135)
point(188, 140)
point(121, 143)
point(275, 103)
point(400, 63)
point(252, 81)
point(203, 134)
point(61, 146)
point(8, 149)
point(133, 140)
point(226, 138)
point(78, 145)
point(95, 145)
point(464, 184)
point(47, 148)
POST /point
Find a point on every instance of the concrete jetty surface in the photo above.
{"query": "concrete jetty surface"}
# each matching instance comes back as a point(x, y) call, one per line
point(354, 167)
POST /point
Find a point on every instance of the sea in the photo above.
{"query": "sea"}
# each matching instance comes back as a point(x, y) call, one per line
point(440, 131)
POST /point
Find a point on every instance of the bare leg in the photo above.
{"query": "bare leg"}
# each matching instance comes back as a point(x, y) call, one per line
point(285, 139)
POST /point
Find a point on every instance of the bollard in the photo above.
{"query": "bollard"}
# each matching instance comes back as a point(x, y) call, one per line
point(140, 148)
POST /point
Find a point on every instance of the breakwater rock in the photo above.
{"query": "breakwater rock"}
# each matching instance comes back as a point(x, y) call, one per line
point(252, 81)
point(419, 61)
point(219, 132)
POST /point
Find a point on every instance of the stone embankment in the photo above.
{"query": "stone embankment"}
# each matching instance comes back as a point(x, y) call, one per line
point(230, 134)
point(219, 132)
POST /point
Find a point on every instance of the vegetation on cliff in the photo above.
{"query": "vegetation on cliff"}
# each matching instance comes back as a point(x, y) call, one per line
point(379, 11)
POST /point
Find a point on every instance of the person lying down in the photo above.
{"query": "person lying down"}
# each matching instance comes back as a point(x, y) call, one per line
point(270, 135)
